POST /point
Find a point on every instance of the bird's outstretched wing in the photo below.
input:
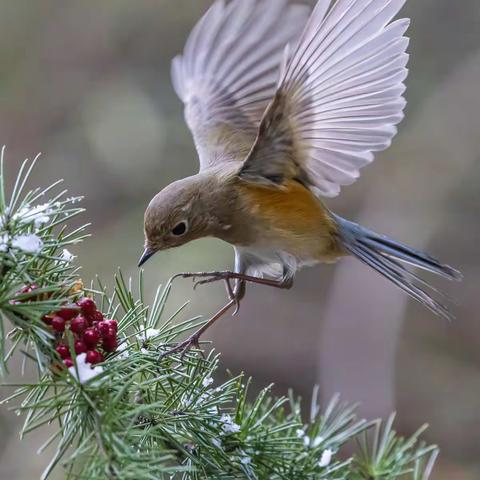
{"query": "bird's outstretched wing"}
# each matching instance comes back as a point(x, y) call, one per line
point(339, 98)
point(229, 71)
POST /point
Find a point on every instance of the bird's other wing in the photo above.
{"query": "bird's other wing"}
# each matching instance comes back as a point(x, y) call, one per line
point(339, 98)
point(229, 71)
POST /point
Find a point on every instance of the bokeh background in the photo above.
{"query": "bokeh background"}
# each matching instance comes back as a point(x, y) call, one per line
point(87, 83)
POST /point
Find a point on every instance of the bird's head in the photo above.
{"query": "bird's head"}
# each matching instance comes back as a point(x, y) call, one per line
point(174, 217)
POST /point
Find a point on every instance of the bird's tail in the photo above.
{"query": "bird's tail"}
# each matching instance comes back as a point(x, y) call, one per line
point(388, 257)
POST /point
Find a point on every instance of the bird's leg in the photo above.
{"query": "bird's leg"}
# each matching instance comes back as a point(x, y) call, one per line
point(240, 282)
point(194, 340)
point(235, 294)
point(210, 277)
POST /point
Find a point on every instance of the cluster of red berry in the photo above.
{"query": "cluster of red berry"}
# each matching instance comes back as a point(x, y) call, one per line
point(93, 334)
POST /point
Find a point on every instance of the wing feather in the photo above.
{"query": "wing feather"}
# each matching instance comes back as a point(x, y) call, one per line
point(229, 70)
point(339, 100)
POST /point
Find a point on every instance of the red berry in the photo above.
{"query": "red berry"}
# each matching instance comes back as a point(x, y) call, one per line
point(80, 347)
point(68, 312)
point(112, 324)
point(96, 317)
point(110, 343)
point(87, 305)
point(79, 325)
point(111, 334)
point(103, 328)
point(91, 337)
point(94, 357)
point(28, 289)
point(47, 319)
point(58, 324)
point(68, 362)
point(24, 291)
point(63, 351)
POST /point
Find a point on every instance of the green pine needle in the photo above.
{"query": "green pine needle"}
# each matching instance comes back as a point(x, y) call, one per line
point(144, 417)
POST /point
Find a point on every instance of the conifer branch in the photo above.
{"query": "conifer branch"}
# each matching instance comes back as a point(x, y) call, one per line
point(122, 412)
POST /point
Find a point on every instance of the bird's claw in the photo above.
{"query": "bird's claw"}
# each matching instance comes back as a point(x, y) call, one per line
point(232, 296)
point(207, 277)
point(216, 277)
point(191, 342)
point(181, 275)
point(198, 283)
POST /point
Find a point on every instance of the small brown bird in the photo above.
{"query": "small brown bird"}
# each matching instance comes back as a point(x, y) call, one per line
point(279, 128)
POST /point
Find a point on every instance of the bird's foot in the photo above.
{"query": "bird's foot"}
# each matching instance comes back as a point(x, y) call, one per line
point(192, 342)
point(209, 277)
point(212, 277)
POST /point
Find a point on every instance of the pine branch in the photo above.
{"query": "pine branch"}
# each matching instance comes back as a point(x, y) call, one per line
point(121, 410)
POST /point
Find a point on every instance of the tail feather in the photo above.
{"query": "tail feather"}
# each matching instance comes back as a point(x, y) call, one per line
point(385, 256)
point(411, 256)
point(393, 273)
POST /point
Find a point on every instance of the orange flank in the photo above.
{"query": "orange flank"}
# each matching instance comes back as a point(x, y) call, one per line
point(290, 213)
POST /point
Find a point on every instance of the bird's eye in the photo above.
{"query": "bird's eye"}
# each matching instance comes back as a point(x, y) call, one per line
point(180, 229)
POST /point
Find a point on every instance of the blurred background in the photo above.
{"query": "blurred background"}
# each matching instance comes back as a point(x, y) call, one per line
point(87, 84)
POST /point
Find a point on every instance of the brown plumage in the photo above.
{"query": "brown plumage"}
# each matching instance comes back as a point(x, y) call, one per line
point(277, 129)
point(286, 217)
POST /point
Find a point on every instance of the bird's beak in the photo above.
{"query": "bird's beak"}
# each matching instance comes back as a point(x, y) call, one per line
point(148, 253)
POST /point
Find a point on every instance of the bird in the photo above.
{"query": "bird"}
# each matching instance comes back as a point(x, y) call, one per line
point(286, 104)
